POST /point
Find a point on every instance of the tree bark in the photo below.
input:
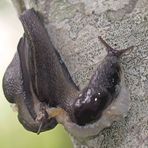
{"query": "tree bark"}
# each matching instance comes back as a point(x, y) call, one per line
point(74, 27)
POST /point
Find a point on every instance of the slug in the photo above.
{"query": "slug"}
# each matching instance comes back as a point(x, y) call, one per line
point(102, 89)
point(36, 78)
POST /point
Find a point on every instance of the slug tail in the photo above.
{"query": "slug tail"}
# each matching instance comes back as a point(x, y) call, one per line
point(111, 50)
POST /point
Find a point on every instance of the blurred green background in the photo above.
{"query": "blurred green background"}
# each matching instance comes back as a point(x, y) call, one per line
point(12, 134)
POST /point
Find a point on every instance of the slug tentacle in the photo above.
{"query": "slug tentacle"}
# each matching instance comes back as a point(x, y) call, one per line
point(111, 50)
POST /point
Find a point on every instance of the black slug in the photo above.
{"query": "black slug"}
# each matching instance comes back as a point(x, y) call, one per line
point(36, 78)
point(102, 89)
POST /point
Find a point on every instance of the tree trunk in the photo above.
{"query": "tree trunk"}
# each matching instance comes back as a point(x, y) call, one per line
point(74, 27)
